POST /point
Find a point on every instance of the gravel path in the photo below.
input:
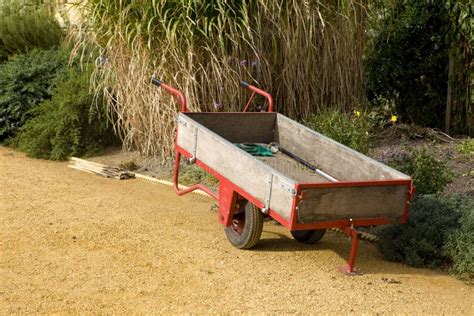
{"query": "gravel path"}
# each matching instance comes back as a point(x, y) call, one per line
point(74, 242)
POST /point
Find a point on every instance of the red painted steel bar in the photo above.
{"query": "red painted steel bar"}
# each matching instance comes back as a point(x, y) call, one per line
point(249, 101)
point(178, 94)
point(192, 188)
point(355, 239)
point(261, 92)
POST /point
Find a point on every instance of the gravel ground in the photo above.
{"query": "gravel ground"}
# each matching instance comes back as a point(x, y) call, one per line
point(74, 242)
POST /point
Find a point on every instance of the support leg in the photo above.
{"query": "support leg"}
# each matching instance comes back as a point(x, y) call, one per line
point(349, 269)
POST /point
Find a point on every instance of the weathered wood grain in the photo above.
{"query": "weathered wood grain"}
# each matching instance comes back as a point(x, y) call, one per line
point(255, 127)
point(323, 204)
point(239, 167)
point(212, 138)
point(330, 156)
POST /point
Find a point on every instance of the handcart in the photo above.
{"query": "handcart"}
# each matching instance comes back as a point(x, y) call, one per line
point(304, 180)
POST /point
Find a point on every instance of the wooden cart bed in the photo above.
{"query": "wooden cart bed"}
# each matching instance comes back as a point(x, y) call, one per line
point(365, 188)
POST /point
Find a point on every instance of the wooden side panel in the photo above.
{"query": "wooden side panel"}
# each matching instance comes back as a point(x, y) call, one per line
point(332, 157)
point(323, 204)
point(258, 127)
point(236, 165)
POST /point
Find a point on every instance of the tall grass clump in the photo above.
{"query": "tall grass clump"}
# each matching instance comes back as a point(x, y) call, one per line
point(307, 54)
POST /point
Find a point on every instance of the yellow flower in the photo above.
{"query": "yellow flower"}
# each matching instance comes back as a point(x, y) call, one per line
point(357, 113)
point(394, 118)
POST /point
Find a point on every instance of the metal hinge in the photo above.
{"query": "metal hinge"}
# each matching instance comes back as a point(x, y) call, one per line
point(193, 149)
point(266, 208)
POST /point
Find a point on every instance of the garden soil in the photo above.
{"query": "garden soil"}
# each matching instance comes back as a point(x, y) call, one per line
point(75, 242)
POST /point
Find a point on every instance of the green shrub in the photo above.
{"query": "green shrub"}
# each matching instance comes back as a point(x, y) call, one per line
point(71, 123)
point(460, 244)
point(429, 174)
point(25, 25)
point(433, 236)
point(25, 81)
point(438, 234)
point(350, 130)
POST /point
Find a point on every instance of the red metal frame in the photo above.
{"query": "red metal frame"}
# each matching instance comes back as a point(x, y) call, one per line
point(258, 91)
point(175, 92)
point(349, 268)
point(229, 193)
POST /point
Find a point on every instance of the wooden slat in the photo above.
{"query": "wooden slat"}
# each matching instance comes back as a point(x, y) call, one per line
point(239, 127)
point(337, 160)
point(323, 204)
point(99, 169)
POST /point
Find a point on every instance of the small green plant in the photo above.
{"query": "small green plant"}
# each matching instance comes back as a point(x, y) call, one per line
point(25, 81)
point(71, 123)
point(350, 130)
point(191, 174)
point(430, 175)
point(25, 25)
point(382, 112)
point(466, 147)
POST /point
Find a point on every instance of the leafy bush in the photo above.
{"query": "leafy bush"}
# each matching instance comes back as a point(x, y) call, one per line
point(25, 81)
point(466, 147)
point(429, 174)
point(460, 244)
point(382, 112)
point(25, 25)
point(68, 124)
point(407, 60)
point(350, 130)
point(437, 234)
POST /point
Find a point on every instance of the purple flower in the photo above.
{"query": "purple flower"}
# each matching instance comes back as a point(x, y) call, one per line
point(243, 63)
point(217, 106)
point(254, 63)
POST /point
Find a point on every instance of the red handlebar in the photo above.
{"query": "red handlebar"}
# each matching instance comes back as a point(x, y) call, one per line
point(178, 94)
point(182, 99)
point(259, 91)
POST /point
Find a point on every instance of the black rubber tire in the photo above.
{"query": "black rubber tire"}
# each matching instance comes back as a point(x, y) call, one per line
point(250, 234)
point(308, 236)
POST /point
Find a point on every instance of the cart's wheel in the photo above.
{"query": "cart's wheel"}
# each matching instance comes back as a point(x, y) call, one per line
point(308, 236)
point(246, 227)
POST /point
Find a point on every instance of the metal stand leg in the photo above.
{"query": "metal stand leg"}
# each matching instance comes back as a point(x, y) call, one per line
point(349, 269)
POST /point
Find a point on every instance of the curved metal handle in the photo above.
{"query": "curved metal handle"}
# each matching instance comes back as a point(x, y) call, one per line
point(178, 94)
point(258, 91)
